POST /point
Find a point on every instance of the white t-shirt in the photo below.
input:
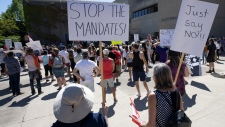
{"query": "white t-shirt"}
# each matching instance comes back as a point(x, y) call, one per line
point(65, 55)
point(85, 68)
point(124, 53)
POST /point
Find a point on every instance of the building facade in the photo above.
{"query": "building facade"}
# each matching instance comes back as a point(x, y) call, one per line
point(149, 16)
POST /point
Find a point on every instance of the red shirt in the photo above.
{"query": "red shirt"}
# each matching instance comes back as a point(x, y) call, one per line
point(107, 68)
point(118, 55)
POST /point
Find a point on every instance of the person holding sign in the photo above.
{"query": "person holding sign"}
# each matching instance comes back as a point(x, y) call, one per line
point(138, 71)
point(211, 52)
point(173, 63)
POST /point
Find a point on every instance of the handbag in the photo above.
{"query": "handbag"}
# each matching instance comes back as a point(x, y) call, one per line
point(178, 117)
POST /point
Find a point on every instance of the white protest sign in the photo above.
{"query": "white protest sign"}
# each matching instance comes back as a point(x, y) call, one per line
point(92, 21)
point(8, 43)
point(35, 45)
point(18, 45)
point(136, 37)
point(193, 26)
point(166, 36)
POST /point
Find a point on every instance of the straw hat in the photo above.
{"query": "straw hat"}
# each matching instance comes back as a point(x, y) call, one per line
point(73, 103)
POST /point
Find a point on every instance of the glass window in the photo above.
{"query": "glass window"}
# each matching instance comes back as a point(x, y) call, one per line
point(139, 13)
point(146, 11)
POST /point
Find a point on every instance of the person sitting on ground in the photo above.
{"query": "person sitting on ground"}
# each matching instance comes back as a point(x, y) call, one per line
point(72, 108)
point(159, 110)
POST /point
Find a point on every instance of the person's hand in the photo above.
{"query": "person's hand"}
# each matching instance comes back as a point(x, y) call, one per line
point(83, 79)
point(104, 109)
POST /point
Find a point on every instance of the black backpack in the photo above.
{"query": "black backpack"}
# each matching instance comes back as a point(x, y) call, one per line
point(178, 117)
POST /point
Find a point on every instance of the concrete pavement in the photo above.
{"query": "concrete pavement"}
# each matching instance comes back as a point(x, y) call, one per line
point(204, 102)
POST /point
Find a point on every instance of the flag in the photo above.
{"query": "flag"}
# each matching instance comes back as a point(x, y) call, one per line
point(135, 115)
point(30, 39)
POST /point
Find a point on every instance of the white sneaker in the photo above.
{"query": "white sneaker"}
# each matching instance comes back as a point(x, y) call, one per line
point(139, 95)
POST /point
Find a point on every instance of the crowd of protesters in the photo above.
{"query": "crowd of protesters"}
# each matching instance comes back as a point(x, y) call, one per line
point(82, 65)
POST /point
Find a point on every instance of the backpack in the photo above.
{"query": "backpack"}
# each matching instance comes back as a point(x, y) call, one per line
point(57, 62)
point(178, 117)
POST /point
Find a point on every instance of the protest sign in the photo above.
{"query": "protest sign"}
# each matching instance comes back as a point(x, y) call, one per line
point(136, 37)
point(194, 64)
point(193, 26)
point(8, 43)
point(14, 51)
point(166, 36)
point(35, 45)
point(117, 42)
point(97, 21)
point(18, 45)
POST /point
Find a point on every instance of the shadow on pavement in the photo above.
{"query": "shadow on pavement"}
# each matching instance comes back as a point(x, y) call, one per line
point(111, 111)
point(218, 62)
point(200, 86)
point(5, 92)
point(141, 104)
point(188, 102)
point(50, 96)
point(217, 75)
point(5, 100)
point(23, 102)
point(46, 84)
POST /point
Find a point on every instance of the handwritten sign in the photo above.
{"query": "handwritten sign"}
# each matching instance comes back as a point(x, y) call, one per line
point(194, 63)
point(92, 21)
point(136, 37)
point(18, 45)
point(193, 26)
point(35, 45)
point(166, 37)
point(8, 43)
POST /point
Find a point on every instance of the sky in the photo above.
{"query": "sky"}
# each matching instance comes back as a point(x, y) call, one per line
point(4, 4)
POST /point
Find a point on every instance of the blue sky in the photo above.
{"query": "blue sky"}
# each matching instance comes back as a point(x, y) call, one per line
point(4, 4)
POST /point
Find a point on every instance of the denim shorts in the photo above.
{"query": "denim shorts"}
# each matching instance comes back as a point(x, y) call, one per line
point(58, 72)
point(137, 75)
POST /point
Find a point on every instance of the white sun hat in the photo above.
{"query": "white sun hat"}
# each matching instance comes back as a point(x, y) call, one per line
point(73, 103)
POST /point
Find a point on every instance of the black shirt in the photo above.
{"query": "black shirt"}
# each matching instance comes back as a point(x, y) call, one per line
point(212, 48)
point(112, 56)
point(137, 62)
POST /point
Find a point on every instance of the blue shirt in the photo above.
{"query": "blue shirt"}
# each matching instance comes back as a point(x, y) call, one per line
point(91, 120)
point(45, 59)
point(12, 65)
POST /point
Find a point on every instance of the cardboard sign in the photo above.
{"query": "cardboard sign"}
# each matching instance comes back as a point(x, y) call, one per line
point(92, 21)
point(194, 64)
point(166, 37)
point(8, 43)
point(193, 26)
point(18, 45)
point(136, 37)
point(35, 45)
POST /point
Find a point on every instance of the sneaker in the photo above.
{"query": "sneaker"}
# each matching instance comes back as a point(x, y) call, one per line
point(209, 71)
point(33, 93)
point(59, 88)
point(19, 93)
point(53, 80)
point(40, 93)
point(139, 95)
point(115, 101)
point(213, 70)
point(47, 80)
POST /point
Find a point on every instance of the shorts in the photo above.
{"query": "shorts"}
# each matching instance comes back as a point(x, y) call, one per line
point(130, 64)
point(118, 68)
point(137, 75)
point(210, 59)
point(89, 85)
point(124, 58)
point(58, 72)
point(110, 82)
point(68, 65)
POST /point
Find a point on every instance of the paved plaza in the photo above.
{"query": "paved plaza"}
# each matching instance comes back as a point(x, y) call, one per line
point(204, 102)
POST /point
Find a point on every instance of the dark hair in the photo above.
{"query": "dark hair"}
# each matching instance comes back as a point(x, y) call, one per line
point(30, 50)
point(110, 48)
point(144, 46)
point(136, 46)
point(69, 46)
point(70, 53)
point(78, 50)
point(10, 54)
point(45, 52)
point(126, 48)
point(174, 60)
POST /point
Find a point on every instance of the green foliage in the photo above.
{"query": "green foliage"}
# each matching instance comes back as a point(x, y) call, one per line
point(12, 24)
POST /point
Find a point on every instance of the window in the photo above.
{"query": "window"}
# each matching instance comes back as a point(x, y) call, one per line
point(145, 11)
